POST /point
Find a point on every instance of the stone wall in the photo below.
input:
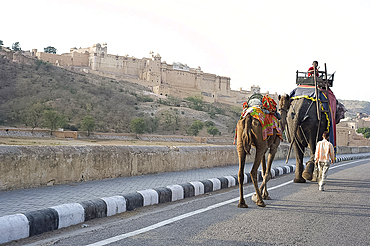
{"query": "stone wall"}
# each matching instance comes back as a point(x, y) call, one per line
point(34, 166)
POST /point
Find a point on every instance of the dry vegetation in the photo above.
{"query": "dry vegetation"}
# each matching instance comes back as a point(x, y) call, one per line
point(112, 104)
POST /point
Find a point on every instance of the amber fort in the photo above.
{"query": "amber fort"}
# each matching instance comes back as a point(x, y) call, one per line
point(176, 79)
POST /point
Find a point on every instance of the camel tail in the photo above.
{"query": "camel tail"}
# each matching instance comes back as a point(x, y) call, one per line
point(247, 134)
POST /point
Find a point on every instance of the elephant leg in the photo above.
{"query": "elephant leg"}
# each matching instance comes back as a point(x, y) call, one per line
point(299, 164)
point(308, 171)
point(310, 165)
point(242, 155)
point(257, 198)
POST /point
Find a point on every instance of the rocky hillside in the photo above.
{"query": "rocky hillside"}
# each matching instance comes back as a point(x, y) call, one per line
point(113, 104)
point(354, 107)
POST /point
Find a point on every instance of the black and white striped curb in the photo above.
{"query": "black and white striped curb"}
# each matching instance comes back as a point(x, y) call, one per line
point(14, 227)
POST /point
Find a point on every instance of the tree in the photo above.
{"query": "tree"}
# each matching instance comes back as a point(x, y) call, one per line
point(174, 101)
point(52, 120)
point(212, 130)
point(170, 120)
point(209, 123)
point(151, 124)
point(1, 44)
point(365, 131)
point(88, 124)
point(138, 126)
point(197, 102)
point(16, 46)
point(50, 50)
point(195, 128)
point(33, 115)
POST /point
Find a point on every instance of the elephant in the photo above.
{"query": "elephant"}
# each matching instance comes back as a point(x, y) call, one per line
point(249, 133)
point(303, 130)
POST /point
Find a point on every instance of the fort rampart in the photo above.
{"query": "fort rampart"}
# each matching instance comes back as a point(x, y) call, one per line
point(34, 166)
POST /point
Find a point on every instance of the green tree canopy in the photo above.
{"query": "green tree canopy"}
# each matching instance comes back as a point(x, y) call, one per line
point(365, 131)
point(212, 130)
point(209, 123)
point(197, 102)
point(50, 50)
point(32, 116)
point(138, 126)
point(16, 46)
point(88, 124)
point(195, 128)
point(52, 120)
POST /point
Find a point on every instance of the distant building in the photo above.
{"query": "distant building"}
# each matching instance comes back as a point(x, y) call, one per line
point(347, 135)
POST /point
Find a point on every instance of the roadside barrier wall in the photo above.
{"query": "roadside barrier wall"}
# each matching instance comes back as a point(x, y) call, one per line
point(34, 166)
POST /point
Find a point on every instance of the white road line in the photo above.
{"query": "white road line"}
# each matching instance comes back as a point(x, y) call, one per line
point(177, 218)
point(180, 217)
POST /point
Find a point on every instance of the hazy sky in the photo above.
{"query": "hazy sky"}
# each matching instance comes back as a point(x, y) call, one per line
point(252, 42)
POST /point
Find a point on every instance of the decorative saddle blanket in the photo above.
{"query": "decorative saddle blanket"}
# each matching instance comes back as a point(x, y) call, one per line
point(268, 121)
point(309, 92)
point(262, 108)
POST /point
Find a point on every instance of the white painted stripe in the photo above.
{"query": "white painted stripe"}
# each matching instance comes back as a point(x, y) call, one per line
point(115, 205)
point(344, 164)
point(272, 172)
point(293, 167)
point(198, 187)
point(150, 197)
point(281, 171)
point(231, 180)
point(216, 183)
point(13, 227)
point(177, 218)
point(177, 192)
point(287, 169)
point(245, 179)
point(70, 214)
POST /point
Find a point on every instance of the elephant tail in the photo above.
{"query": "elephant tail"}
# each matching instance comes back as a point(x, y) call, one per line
point(247, 134)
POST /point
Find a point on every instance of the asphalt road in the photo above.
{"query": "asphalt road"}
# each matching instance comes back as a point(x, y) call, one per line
point(298, 214)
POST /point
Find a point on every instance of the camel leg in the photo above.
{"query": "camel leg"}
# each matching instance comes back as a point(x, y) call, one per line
point(257, 198)
point(267, 175)
point(263, 186)
point(299, 164)
point(242, 155)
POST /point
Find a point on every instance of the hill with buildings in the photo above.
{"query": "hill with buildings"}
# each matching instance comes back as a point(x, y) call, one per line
point(112, 103)
point(355, 107)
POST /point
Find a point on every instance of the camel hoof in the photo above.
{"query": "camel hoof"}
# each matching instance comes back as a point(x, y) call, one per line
point(261, 204)
point(300, 180)
point(242, 205)
point(307, 175)
point(257, 202)
point(254, 197)
point(266, 197)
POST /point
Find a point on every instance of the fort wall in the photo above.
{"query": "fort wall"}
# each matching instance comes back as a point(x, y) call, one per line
point(177, 79)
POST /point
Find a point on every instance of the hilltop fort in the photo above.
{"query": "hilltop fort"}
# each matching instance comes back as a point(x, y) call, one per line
point(175, 79)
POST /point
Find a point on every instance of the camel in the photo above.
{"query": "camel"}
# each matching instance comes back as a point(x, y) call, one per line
point(249, 133)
